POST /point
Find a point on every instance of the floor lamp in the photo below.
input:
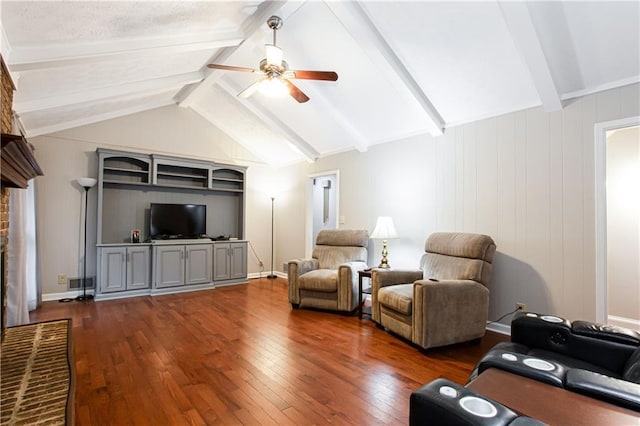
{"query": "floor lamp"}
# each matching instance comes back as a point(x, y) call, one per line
point(86, 183)
point(272, 275)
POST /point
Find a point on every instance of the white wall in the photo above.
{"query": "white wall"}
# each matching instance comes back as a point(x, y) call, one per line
point(526, 179)
point(623, 224)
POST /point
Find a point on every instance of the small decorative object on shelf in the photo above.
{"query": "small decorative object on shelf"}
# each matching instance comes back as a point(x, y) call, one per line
point(135, 235)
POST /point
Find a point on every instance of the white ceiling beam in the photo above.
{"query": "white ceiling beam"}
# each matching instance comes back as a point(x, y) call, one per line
point(356, 139)
point(518, 19)
point(45, 57)
point(272, 120)
point(93, 118)
point(5, 47)
point(147, 87)
point(250, 26)
point(358, 23)
point(229, 130)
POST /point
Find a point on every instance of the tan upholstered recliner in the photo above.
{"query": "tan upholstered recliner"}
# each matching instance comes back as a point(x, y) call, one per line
point(330, 279)
point(446, 301)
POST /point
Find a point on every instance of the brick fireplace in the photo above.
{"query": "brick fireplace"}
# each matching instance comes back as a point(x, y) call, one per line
point(19, 166)
point(6, 127)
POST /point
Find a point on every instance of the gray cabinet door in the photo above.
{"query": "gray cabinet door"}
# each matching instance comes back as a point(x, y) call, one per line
point(112, 269)
point(221, 262)
point(198, 264)
point(238, 260)
point(137, 268)
point(169, 264)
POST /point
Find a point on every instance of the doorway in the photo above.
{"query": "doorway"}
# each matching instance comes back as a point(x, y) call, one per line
point(617, 158)
point(322, 205)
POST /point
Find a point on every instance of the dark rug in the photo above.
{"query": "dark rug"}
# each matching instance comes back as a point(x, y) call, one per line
point(36, 380)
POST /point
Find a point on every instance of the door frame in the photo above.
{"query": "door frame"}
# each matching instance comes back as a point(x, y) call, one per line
point(308, 226)
point(600, 132)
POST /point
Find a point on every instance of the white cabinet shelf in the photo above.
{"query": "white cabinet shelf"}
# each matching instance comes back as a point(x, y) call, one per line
point(227, 179)
point(125, 168)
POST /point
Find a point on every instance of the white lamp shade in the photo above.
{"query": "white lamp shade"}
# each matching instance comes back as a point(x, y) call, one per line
point(87, 182)
point(273, 87)
point(385, 229)
point(274, 55)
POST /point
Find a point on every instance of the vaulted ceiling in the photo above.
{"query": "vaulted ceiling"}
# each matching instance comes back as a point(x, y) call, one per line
point(405, 68)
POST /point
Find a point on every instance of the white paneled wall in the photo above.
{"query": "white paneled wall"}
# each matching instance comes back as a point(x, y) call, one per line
point(526, 178)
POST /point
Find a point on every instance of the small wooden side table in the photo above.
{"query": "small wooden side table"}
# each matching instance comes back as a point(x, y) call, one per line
point(366, 273)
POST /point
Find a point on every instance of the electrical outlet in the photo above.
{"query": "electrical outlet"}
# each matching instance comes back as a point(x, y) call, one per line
point(521, 306)
point(261, 264)
point(62, 279)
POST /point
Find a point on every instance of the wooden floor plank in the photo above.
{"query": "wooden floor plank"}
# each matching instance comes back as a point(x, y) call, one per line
point(240, 355)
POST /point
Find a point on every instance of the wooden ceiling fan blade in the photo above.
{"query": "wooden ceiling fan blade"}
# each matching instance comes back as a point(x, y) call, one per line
point(313, 75)
point(295, 93)
point(230, 68)
point(251, 89)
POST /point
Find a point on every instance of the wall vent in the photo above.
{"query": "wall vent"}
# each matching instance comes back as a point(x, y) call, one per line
point(76, 283)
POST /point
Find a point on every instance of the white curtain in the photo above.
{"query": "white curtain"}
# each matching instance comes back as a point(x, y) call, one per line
point(22, 288)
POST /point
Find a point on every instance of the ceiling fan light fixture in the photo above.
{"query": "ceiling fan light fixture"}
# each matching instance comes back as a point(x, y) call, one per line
point(277, 76)
point(273, 87)
point(274, 55)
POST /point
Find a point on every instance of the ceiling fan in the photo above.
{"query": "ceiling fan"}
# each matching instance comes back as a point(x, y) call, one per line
point(277, 75)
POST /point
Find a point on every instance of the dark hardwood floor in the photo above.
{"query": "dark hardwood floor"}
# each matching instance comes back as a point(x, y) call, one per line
point(241, 355)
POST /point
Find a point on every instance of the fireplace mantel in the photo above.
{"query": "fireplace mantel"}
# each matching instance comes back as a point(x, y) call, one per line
point(19, 164)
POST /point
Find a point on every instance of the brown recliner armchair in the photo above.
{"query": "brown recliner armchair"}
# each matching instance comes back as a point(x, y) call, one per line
point(446, 301)
point(329, 280)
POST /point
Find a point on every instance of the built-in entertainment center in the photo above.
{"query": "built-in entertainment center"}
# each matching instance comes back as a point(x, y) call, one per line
point(168, 224)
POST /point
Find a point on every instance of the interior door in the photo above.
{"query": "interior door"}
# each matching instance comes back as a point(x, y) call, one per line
point(325, 199)
point(623, 226)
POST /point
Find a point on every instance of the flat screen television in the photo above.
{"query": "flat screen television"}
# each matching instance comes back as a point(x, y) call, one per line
point(177, 221)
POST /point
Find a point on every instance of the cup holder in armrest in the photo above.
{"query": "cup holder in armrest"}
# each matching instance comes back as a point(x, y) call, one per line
point(478, 406)
point(552, 319)
point(538, 364)
point(446, 402)
point(546, 371)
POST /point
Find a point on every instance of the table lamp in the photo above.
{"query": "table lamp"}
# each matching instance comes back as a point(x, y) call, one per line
point(384, 230)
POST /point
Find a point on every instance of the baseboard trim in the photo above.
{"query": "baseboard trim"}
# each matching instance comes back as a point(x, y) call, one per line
point(52, 297)
point(180, 289)
point(264, 275)
point(499, 328)
point(121, 295)
point(624, 322)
